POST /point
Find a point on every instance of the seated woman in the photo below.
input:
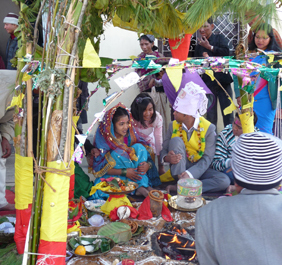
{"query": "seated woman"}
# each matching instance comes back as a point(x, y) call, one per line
point(122, 152)
point(148, 123)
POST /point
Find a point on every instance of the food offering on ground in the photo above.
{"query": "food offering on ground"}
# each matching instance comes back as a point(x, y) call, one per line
point(90, 245)
point(119, 185)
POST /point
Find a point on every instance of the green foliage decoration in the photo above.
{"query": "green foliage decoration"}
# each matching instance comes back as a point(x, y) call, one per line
point(43, 81)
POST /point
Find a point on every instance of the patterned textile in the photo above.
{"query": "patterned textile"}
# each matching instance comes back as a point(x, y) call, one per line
point(144, 84)
point(257, 161)
point(106, 141)
point(223, 149)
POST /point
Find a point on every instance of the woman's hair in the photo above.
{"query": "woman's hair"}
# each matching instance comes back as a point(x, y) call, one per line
point(145, 37)
point(272, 45)
point(139, 105)
point(120, 112)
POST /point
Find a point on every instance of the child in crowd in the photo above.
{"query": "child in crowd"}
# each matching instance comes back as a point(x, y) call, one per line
point(122, 152)
point(148, 123)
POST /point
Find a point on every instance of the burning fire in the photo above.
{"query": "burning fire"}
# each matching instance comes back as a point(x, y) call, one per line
point(175, 246)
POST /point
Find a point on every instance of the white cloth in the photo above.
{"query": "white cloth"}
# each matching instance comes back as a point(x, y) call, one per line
point(7, 84)
point(191, 100)
point(3, 201)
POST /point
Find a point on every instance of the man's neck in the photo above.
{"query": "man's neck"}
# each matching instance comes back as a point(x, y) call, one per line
point(189, 121)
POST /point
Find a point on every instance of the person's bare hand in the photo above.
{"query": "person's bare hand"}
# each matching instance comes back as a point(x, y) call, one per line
point(173, 158)
point(132, 174)
point(6, 148)
point(95, 152)
point(239, 101)
point(151, 83)
point(204, 42)
point(184, 175)
point(205, 54)
point(143, 168)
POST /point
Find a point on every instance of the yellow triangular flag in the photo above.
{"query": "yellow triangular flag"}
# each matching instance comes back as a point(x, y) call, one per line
point(132, 57)
point(16, 101)
point(280, 88)
point(271, 58)
point(90, 57)
point(210, 74)
point(26, 77)
point(175, 75)
point(230, 108)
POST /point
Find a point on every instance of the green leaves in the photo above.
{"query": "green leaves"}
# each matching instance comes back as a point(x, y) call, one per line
point(117, 231)
point(43, 81)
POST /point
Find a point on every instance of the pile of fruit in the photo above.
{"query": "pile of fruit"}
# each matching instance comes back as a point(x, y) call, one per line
point(88, 245)
point(119, 185)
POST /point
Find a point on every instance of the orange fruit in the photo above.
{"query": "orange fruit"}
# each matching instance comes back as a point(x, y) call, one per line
point(80, 250)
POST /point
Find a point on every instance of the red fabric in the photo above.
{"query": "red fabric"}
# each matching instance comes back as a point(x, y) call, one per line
point(10, 197)
point(22, 222)
point(52, 248)
point(145, 211)
point(115, 196)
point(12, 36)
point(262, 84)
point(133, 213)
point(71, 190)
point(182, 51)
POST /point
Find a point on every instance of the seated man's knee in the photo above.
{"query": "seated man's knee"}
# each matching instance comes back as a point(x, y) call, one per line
point(176, 144)
point(224, 181)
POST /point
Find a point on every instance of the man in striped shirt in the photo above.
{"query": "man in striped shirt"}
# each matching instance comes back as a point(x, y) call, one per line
point(225, 139)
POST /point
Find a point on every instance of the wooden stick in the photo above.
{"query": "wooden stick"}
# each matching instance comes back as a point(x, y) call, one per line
point(192, 249)
point(67, 153)
point(29, 109)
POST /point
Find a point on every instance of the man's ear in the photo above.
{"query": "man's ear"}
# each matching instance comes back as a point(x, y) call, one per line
point(212, 26)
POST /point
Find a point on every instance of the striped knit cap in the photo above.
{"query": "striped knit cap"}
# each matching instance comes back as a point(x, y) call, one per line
point(257, 161)
point(11, 18)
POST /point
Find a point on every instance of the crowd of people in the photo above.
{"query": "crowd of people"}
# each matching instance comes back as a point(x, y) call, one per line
point(129, 143)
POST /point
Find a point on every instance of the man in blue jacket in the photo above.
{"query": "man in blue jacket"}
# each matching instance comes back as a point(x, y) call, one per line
point(11, 22)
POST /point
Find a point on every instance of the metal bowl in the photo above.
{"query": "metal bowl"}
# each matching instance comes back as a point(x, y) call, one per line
point(97, 253)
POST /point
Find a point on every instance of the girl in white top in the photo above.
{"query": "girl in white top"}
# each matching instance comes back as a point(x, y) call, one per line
point(148, 123)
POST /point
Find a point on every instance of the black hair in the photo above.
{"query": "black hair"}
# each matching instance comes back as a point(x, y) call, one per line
point(120, 112)
point(255, 117)
point(144, 37)
point(210, 20)
point(139, 105)
point(272, 45)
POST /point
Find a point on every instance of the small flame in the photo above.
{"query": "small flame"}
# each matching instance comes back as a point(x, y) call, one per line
point(192, 244)
point(184, 232)
point(184, 245)
point(193, 256)
point(175, 240)
point(177, 230)
point(167, 257)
